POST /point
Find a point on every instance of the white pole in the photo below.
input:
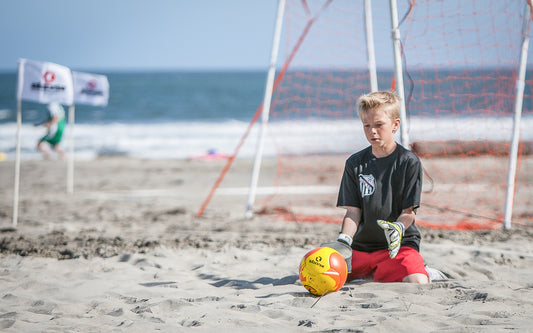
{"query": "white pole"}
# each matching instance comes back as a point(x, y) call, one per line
point(266, 109)
point(513, 154)
point(17, 166)
point(370, 46)
point(20, 80)
point(396, 43)
point(70, 167)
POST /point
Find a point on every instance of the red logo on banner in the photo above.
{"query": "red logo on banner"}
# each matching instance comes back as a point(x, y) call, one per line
point(91, 89)
point(49, 77)
point(91, 85)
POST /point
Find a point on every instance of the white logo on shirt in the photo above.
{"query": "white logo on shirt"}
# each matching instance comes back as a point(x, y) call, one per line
point(367, 184)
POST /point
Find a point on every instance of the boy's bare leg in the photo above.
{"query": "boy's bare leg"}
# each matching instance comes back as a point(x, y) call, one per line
point(60, 152)
point(416, 278)
point(44, 150)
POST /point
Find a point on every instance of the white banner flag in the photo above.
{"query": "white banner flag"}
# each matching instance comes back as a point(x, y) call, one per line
point(92, 89)
point(44, 82)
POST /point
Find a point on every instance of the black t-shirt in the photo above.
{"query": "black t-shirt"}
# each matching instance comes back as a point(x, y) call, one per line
point(381, 188)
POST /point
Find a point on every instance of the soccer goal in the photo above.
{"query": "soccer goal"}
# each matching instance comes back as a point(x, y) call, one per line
point(468, 106)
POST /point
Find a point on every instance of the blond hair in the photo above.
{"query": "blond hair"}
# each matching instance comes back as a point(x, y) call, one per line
point(385, 100)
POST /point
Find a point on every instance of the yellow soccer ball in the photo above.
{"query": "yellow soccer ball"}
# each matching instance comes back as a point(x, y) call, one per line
point(323, 270)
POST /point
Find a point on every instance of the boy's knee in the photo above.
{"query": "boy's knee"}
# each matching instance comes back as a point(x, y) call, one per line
point(416, 278)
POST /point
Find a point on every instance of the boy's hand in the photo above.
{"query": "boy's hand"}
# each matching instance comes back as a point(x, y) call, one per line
point(345, 249)
point(393, 232)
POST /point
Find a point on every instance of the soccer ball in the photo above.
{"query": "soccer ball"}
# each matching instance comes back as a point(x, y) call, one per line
point(323, 270)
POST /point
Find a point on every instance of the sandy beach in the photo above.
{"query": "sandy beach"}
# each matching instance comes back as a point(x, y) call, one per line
point(126, 252)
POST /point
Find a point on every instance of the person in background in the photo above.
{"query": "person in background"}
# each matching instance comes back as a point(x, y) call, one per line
point(55, 124)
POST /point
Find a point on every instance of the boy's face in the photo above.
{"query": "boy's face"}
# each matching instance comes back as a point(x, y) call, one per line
point(379, 128)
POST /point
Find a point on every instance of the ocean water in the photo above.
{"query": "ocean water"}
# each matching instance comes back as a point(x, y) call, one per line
point(186, 114)
point(149, 115)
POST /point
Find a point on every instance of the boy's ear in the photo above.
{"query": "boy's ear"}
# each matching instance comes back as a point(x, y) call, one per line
point(395, 125)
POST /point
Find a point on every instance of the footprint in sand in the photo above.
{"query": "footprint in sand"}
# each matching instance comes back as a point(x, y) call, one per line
point(7, 319)
point(42, 307)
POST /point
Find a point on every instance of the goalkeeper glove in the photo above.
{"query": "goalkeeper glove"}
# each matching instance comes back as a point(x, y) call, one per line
point(343, 245)
point(393, 232)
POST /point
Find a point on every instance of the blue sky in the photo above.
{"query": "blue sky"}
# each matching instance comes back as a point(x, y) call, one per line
point(111, 35)
point(131, 34)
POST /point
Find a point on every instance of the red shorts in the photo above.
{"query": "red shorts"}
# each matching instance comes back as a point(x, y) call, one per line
point(384, 269)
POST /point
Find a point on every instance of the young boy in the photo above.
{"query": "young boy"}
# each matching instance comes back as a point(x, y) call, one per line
point(55, 125)
point(380, 190)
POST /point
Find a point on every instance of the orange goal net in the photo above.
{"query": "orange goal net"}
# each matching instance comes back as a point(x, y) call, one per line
point(460, 64)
